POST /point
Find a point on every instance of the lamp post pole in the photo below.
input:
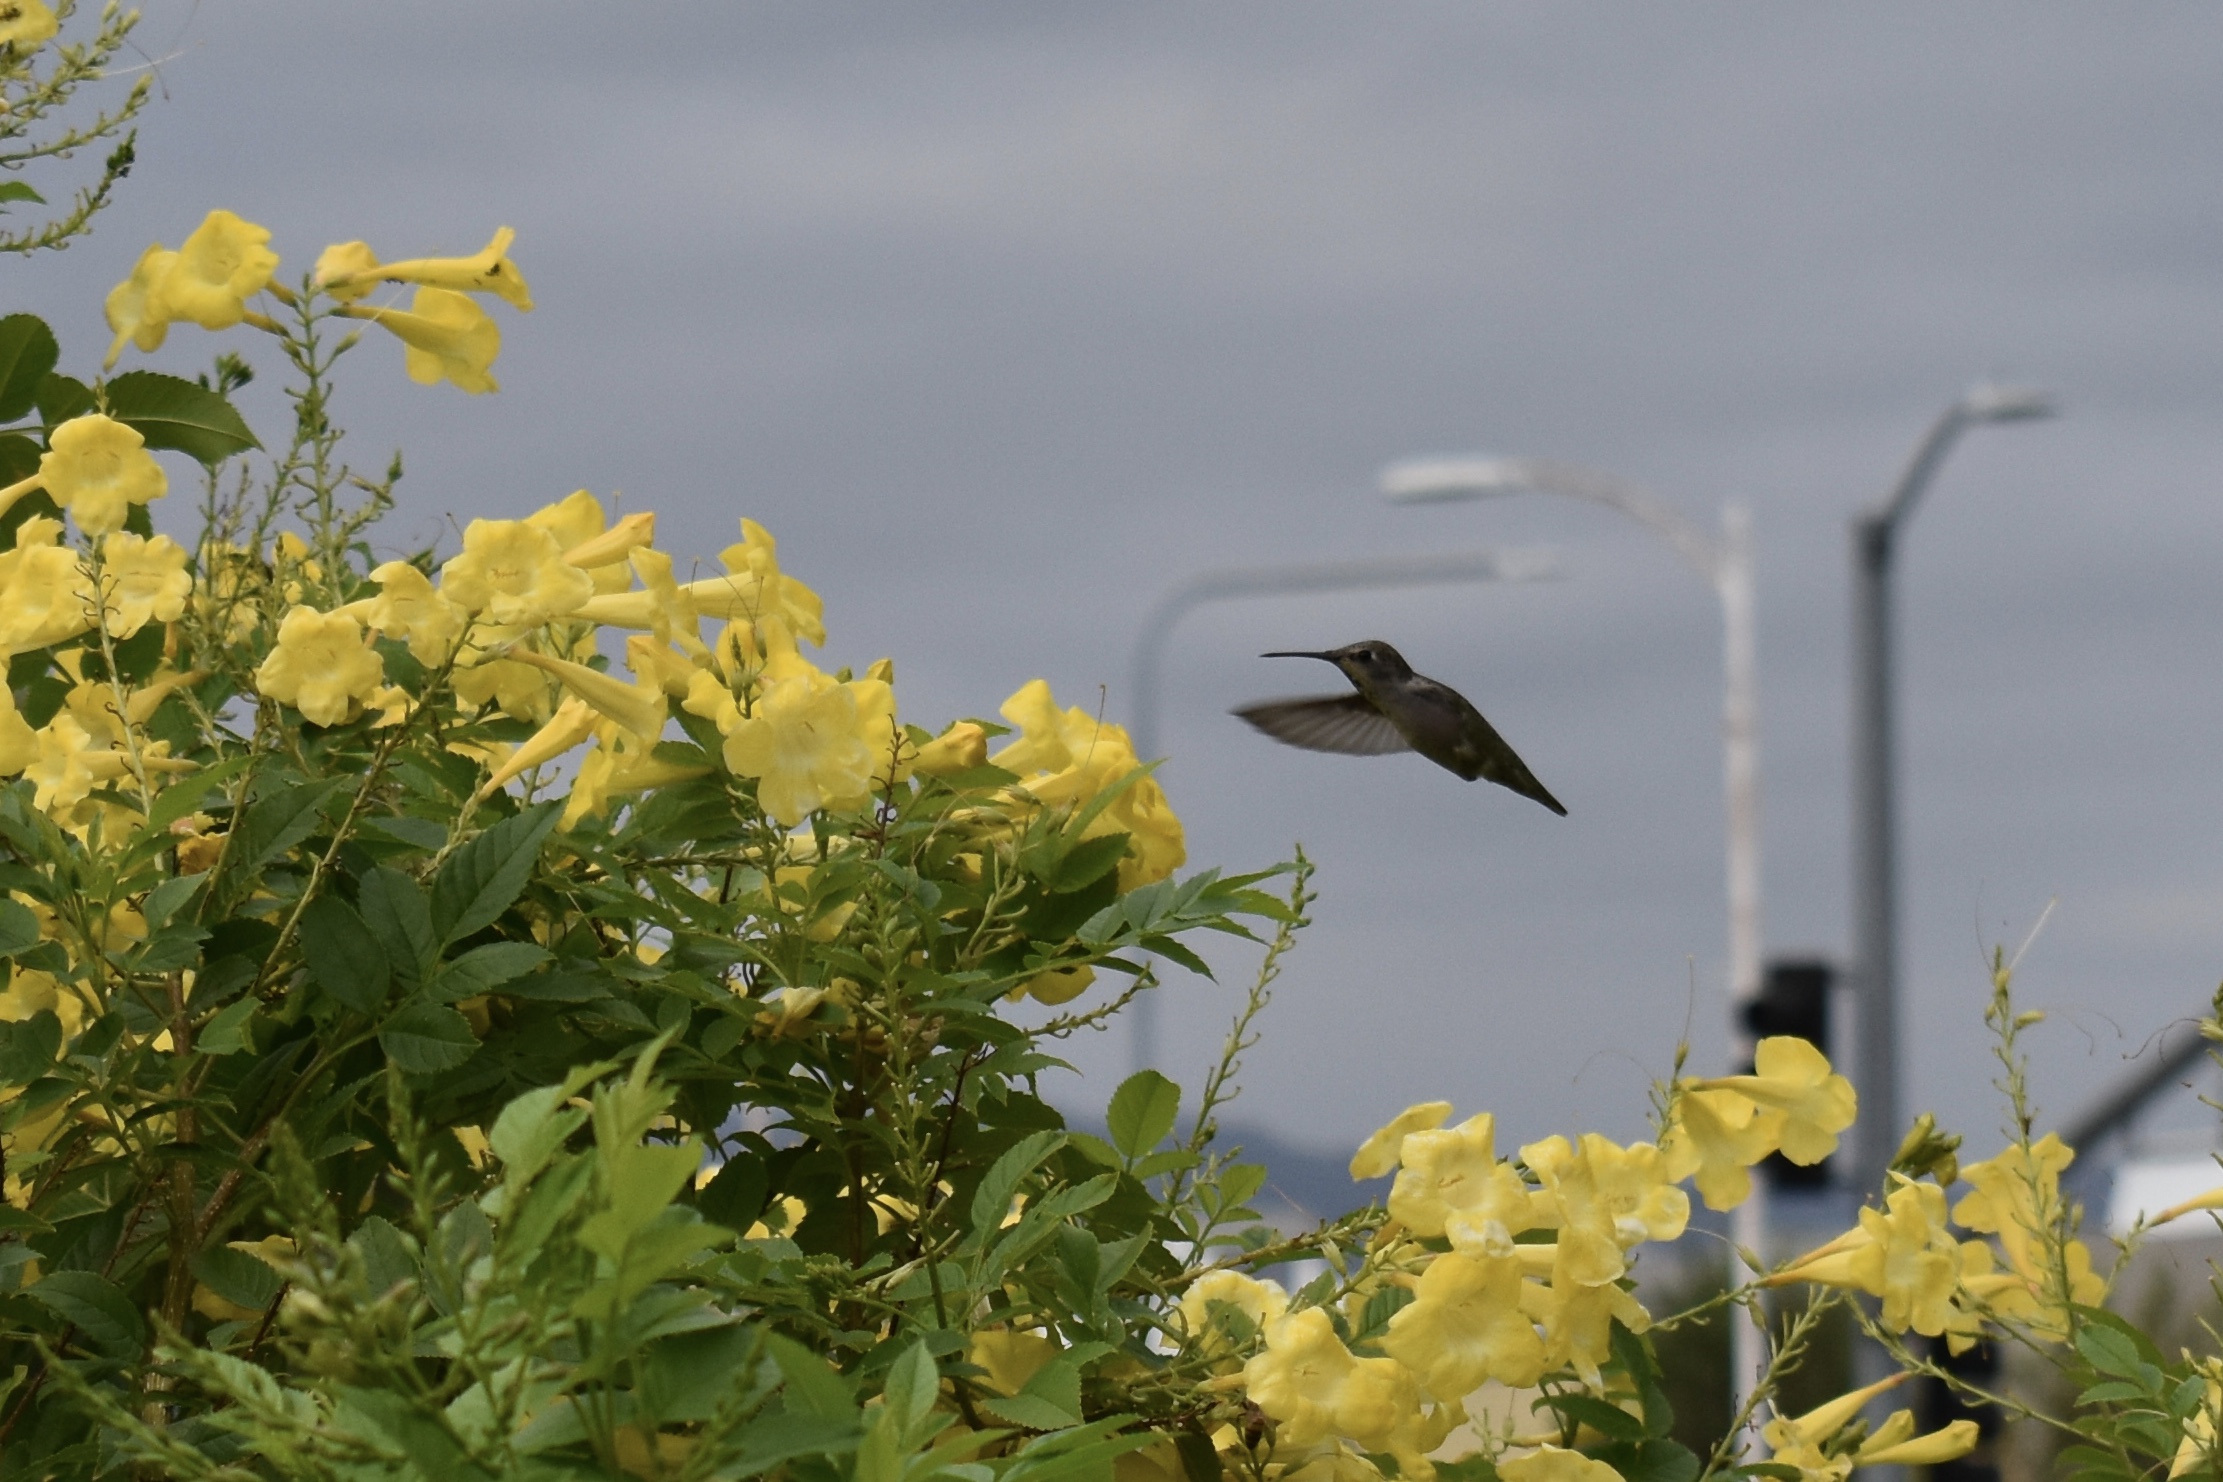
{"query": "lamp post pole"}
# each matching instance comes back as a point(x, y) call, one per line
point(1725, 564)
point(1875, 977)
point(1275, 581)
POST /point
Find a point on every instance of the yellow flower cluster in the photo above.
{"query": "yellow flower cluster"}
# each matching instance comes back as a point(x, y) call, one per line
point(1793, 1103)
point(1825, 1444)
point(1068, 757)
point(226, 261)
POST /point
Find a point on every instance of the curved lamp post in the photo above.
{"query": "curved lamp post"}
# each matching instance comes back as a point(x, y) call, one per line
point(1275, 581)
point(1875, 964)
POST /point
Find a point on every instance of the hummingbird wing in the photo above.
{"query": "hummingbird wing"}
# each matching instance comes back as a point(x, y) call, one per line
point(1348, 724)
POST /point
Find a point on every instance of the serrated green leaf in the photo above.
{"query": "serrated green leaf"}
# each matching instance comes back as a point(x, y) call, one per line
point(428, 1038)
point(484, 969)
point(344, 955)
point(274, 824)
point(171, 412)
point(1030, 1411)
point(19, 929)
point(63, 397)
point(1143, 1110)
point(530, 1131)
point(28, 353)
point(97, 1308)
point(992, 1200)
point(397, 914)
point(242, 1279)
point(28, 1047)
point(1610, 1420)
point(184, 796)
point(481, 879)
point(226, 1034)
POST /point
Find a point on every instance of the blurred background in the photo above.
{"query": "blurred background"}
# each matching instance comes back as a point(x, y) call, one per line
point(1006, 319)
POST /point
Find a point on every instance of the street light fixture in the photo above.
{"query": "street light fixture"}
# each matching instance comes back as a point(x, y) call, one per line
point(1275, 581)
point(1725, 564)
point(1875, 979)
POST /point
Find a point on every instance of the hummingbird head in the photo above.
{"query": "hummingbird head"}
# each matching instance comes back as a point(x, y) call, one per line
point(1366, 663)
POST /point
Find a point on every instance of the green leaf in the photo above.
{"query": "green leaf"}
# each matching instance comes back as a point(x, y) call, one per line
point(1030, 1411)
point(736, 1194)
point(171, 412)
point(1086, 862)
point(171, 896)
point(395, 911)
point(531, 1129)
point(484, 969)
point(992, 1200)
point(238, 1277)
point(2110, 1352)
point(28, 352)
point(386, 1255)
point(226, 1034)
point(96, 1308)
point(1143, 1110)
point(64, 397)
point(428, 1038)
point(1589, 1410)
point(1200, 1459)
point(345, 957)
point(16, 190)
point(914, 1384)
point(480, 880)
point(184, 795)
point(1651, 1461)
point(19, 459)
point(28, 1047)
point(19, 929)
point(812, 1388)
point(274, 823)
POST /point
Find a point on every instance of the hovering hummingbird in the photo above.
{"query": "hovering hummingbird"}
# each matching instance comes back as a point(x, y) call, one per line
point(1395, 709)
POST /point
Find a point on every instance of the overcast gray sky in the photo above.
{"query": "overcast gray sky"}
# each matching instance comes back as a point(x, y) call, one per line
point(1003, 318)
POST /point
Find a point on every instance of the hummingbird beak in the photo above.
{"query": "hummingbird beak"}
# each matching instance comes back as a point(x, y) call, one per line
point(1296, 653)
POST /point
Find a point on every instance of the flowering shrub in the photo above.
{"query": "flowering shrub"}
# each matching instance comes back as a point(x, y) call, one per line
point(517, 1014)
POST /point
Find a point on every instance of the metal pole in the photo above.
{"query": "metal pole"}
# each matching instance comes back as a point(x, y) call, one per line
point(1875, 858)
point(1740, 758)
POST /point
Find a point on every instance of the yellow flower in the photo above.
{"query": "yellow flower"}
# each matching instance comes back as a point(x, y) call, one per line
point(218, 268)
point(754, 588)
point(1578, 1321)
point(1552, 1464)
point(322, 665)
point(1718, 1136)
point(2197, 1448)
point(1065, 758)
point(348, 269)
point(445, 336)
point(810, 743)
point(1950, 1443)
point(1465, 1325)
point(1379, 1154)
point(32, 992)
point(1316, 1388)
point(1452, 1184)
point(637, 707)
point(45, 595)
point(408, 606)
point(660, 606)
point(572, 724)
point(961, 748)
point(97, 468)
point(141, 581)
point(1010, 1359)
point(1610, 1199)
point(130, 307)
point(1825, 1420)
point(1901, 1253)
point(1260, 1303)
point(69, 765)
point(26, 25)
point(1055, 985)
point(514, 574)
point(1794, 1078)
point(2018, 1198)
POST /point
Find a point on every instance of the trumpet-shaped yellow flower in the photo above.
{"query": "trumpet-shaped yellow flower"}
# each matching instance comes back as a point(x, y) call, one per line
point(30, 991)
point(408, 606)
point(218, 268)
point(1453, 1185)
point(1067, 757)
point(754, 588)
point(2197, 1450)
point(141, 581)
point(660, 606)
point(1055, 985)
point(1794, 1078)
point(610, 549)
point(349, 268)
point(26, 25)
point(445, 336)
point(1895, 1445)
point(97, 468)
point(70, 765)
point(1578, 1320)
point(2017, 1197)
point(1259, 1303)
point(1555, 1464)
point(513, 573)
point(322, 665)
point(1718, 1136)
point(1317, 1389)
point(45, 595)
point(638, 707)
point(1609, 1198)
point(1465, 1325)
point(1901, 1253)
point(130, 307)
point(812, 742)
point(961, 748)
point(1379, 1154)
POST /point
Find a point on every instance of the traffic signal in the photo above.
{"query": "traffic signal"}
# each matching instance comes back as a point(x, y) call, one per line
point(1794, 1000)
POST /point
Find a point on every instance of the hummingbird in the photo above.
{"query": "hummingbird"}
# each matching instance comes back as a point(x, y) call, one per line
point(1394, 709)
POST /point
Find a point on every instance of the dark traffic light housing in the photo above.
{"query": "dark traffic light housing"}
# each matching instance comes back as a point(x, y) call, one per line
point(1794, 1000)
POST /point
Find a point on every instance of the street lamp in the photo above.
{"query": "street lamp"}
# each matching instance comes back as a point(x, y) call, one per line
point(1725, 564)
point(1875, 978)
point(1275, 581)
